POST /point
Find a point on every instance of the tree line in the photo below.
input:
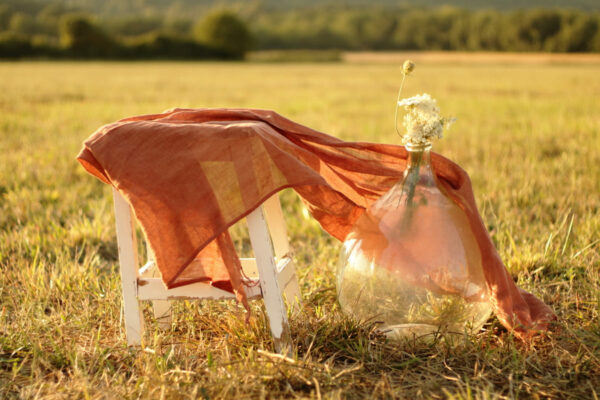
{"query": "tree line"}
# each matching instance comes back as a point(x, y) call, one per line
point(444, 28)
point(56, 33)
point(30, 29)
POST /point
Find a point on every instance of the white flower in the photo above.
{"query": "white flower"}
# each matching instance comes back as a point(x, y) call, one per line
point(422, 121)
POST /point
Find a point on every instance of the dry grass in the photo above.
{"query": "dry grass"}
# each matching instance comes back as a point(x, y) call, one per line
point(528, 134)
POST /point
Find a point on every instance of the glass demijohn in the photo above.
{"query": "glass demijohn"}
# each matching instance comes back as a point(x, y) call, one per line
point(411, 261)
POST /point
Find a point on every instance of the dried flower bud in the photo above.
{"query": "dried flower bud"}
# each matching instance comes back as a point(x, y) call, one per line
point(408, 67)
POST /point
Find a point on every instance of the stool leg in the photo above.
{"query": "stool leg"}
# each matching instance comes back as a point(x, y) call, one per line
point(161, 308)
point(267, 271)
point(276, 223)
point(134, 323)
point(292, 292)
point(162, 313)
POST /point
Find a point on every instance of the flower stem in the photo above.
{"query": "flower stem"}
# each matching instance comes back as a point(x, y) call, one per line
point(410, 184)
point(397, 101)
point(413, 176)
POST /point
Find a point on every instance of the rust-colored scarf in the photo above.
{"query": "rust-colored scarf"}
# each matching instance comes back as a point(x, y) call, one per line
point(189, 174)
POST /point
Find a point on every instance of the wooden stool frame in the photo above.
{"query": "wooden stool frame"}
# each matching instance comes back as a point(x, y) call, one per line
point(273, 273)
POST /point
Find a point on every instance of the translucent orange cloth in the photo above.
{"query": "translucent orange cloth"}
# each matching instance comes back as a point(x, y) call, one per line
point(189, 174)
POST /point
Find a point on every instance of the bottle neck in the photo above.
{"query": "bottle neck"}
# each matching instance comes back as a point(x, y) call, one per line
point(418, 174)
point(418, 167)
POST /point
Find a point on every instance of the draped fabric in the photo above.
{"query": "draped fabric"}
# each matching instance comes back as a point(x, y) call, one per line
point(189, 174)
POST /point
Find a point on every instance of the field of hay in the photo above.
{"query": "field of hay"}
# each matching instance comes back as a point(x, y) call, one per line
point(527, 132)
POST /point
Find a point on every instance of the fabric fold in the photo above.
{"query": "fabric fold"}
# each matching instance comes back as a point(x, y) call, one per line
point(189, 174)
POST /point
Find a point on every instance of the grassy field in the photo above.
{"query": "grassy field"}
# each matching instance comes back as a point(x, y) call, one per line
point(528, 133)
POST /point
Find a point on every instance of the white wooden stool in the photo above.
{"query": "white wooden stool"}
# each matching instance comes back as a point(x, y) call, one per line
point(274, 275)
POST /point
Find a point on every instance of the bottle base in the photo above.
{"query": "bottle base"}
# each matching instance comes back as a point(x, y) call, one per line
point(416, 331)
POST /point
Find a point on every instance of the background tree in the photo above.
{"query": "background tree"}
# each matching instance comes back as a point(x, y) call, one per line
point(484, 34)
point(48, 19)
point(22, 23)
point(578, 37)
point(5, 15)
point(84, 39)
point(225, 32)
point(133, 26)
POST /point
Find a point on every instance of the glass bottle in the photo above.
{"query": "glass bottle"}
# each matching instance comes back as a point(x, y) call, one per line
point(412, 262)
